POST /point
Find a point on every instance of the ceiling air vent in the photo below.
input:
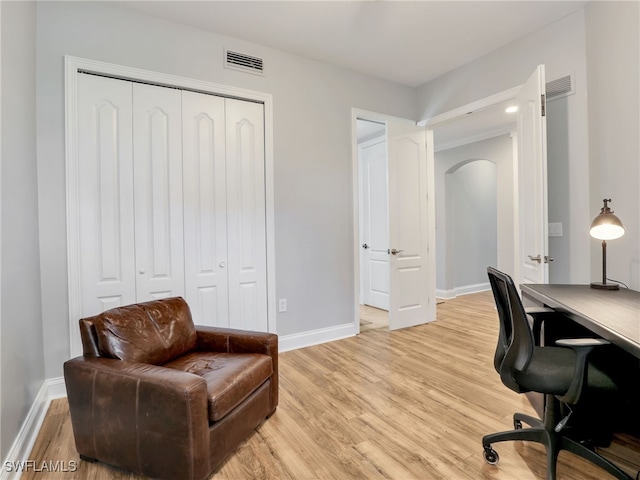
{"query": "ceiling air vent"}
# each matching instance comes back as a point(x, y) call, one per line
point(560, 87)
point(243, 62)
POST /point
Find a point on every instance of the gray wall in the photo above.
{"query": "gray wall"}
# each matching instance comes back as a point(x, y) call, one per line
point(559, 184)
point(498, 247)
point(561, 48)
point(613, 58)
point(312, 150)
point(21, 359)
point(472, 190)
point(593, 149)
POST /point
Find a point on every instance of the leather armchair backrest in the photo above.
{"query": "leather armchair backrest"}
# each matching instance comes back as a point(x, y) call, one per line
point(152, 332)
point(89, 337)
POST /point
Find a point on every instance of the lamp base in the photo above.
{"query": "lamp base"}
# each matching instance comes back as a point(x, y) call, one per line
point(605, 286)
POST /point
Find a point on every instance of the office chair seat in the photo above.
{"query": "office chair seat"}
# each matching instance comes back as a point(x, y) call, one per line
point(552, 370)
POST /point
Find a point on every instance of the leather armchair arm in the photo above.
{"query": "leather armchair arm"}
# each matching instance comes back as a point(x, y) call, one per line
point(144, 418)
point(583, 347)
point(230, 340)
point(216, 339)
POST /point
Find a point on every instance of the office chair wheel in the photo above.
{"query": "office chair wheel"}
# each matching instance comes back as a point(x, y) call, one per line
point(517, 424)
point(491, 456)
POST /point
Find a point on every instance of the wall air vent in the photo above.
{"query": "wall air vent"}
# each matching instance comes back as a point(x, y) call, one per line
point(560, 88)
point(243, 62)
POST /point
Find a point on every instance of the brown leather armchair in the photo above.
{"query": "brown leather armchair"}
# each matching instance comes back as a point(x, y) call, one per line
point(158, 396)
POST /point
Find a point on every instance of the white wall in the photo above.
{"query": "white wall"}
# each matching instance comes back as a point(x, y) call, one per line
point(312, 150)
point(613, 58)
point(561, 47)
point(497, 150)
point(21, 360)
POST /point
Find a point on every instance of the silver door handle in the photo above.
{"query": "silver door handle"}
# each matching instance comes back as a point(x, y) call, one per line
point(535, 259)
point(548, 259)
point(393, 251)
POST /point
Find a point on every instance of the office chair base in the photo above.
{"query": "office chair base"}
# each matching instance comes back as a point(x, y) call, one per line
point(543, 432)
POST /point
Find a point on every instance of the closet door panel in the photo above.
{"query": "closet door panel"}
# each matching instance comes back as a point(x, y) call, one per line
point(246, 215)
point(205, 208)
point(157, 130)
point(105, 193)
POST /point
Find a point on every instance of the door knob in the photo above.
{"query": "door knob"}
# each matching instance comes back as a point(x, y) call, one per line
point(535, 259)
point(393, 251)
point(141, 271)
point(365, 246)
point(222, 264)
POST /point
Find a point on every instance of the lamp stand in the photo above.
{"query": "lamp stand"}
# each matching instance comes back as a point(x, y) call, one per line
point(604, 285)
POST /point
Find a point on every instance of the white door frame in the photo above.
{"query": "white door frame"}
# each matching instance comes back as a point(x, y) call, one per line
point(361, 114)
point(458, 113)
point(73, 65)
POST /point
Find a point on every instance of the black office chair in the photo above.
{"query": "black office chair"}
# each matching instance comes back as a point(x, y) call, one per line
point(565, 374)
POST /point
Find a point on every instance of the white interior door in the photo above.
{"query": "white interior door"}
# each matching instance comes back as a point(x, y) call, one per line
point(246, 208)
point(408, 233)
point(205, 208)
point(375, 223)
point(105, 192)
point(157, 160)
point(533, 250)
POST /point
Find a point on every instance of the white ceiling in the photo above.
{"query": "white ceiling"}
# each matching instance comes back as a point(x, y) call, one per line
point(479, 125)
point(407, 42)
point(402, 41)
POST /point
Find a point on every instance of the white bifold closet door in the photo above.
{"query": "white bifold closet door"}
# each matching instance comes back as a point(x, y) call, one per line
point(157, 182)
point(105, 193)
point(172, 201)
point(225, 239)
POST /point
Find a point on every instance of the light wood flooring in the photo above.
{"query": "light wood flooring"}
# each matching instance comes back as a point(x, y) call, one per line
point(408, 404)
point(372, 318)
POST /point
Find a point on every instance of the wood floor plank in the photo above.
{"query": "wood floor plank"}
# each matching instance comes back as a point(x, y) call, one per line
point(408, 404)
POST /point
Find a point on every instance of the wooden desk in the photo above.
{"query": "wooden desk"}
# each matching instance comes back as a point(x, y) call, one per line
point(611, 314)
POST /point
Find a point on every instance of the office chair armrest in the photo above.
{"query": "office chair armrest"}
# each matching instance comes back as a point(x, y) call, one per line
point(538, 310)
point(581, 342)
point(582, 347)
point(539, 315)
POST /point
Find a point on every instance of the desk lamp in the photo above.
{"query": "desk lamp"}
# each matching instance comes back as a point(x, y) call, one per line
point(606, 226)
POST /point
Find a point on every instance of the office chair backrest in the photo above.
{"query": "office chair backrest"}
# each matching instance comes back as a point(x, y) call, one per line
point(515, 340)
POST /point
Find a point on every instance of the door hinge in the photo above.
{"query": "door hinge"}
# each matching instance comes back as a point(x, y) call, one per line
point(543, 104)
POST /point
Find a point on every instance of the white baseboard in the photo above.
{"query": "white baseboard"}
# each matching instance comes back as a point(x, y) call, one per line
point(445, 294)
point(464, 290)
point(57, 388)
point(315, 337)
point(475, 288)
point(23, 444)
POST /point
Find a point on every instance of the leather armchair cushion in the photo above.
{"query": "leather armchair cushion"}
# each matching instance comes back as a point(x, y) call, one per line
point(230, 377)
point(152, 332)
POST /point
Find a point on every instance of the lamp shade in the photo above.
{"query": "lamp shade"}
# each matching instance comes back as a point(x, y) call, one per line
point(606, 226)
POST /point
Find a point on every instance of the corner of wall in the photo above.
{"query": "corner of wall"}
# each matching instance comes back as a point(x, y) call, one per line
point(26, 438)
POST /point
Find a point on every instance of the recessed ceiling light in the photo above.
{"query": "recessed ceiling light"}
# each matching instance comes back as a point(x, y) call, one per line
point(511, 109)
